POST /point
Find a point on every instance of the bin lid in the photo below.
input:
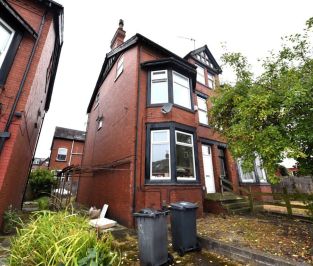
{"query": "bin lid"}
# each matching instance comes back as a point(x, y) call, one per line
point(147, 212)
point(183, 205)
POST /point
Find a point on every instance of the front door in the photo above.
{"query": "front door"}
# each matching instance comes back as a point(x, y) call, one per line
point(208, 169)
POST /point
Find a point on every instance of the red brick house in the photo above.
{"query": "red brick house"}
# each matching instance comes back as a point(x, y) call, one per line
point(31, 37)
point(149, 141)
point(66, 148)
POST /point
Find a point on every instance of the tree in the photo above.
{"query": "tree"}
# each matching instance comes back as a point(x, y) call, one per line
point(41, 182)
point(270, 116)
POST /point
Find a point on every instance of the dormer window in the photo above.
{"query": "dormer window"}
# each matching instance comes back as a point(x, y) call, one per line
point(119, 67)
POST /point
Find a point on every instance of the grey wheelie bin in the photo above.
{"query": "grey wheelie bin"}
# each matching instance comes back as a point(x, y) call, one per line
point(152, 237)
point(183, 227)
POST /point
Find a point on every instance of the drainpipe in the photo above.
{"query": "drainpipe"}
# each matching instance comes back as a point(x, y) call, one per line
point(69, 162)
point(136, 140)
point(6, 133)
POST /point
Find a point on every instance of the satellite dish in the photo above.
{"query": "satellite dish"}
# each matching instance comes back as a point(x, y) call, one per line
point(166, 108)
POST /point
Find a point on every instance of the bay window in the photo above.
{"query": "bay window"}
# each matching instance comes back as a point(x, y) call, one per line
point(171, 155)
point(202, 110)
point(169, 86)
point(258, 174)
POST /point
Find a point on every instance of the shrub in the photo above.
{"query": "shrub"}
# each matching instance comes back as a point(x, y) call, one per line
point(41, 181)
point(11, 220)
point(43, 203)
point(61, 238)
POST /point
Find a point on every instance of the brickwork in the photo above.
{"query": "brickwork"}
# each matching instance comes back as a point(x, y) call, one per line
point(18, 150)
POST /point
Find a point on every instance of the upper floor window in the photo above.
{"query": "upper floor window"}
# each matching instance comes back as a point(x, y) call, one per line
point(62, 153)
point(6, 37)
point(159, 87)
point(202, 110)
point(169, 86)
point(211, 81)
point(200, 74)
point(120, 66)
point(181, 90)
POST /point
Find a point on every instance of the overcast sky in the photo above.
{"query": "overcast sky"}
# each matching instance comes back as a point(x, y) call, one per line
point(247, 26)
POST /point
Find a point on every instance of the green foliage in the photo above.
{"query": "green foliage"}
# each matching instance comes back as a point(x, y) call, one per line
point(41, 181)
point(43, 203)
point(11, 220)
point(270, 115)
point(61, 238)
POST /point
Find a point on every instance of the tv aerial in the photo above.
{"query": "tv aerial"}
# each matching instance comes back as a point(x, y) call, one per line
point(190, 39)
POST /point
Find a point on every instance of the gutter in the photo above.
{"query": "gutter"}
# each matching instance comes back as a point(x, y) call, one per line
point(6, 134)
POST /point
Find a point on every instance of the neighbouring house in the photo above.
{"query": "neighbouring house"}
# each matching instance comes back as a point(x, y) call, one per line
point(31, 38)
point(66, 148)
point(149, 141)
point(41, 163)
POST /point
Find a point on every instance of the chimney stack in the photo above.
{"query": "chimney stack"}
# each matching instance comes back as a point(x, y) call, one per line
point(119, 35)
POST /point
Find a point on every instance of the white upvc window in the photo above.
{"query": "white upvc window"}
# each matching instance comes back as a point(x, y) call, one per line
point(246, 177)
point(159, 87)
point(62, 153)
point(6, 37)
point(120, 66)
point(181, 90)
point(200, 74)
point(260, 170)
point(185, 159)
point(211, 81)
point(202, 110)
point(160, 159)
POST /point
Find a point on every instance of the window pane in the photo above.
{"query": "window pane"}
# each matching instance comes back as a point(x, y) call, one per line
point(245, 176)
point(202, 103)
point(162, 74)
point(160, 158)
point(4, 37)
point(200, 74)
point(184, 138)
point(211, 80)
point(181, 95)
point(159, 92)
point(203, 117)
point(180, 79)
point(160, 136)
point(184, 162)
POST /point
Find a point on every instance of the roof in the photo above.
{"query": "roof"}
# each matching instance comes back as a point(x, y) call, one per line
point(70, 134)
point(113, 55)
point(210, 63)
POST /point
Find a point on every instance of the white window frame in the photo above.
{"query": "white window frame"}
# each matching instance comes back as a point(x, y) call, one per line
point(258, 164)
point(200, 73)
point(119, 67)
point(193, 154)
point(60, 153)
point(181, 85)
point(5, 51)
point(168, 141)
point(199, 98)
point(211, 81)
point(241, 173)
point(155, 79)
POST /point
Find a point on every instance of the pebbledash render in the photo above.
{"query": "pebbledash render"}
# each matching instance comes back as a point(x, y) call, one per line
point(149, 141)
point(31, 38)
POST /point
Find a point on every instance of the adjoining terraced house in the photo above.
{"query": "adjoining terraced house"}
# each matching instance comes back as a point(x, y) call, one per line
point(31, 37)
point(149, 140)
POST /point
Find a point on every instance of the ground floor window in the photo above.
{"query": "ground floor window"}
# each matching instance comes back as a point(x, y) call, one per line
point(258, 175)
point(170, 153)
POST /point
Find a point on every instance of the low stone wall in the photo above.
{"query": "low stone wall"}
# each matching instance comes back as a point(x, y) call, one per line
point(295, 184)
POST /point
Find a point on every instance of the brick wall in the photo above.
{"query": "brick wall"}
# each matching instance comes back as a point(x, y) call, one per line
point(15, 158)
